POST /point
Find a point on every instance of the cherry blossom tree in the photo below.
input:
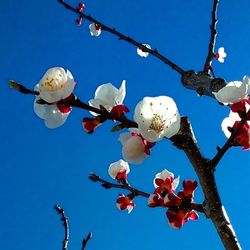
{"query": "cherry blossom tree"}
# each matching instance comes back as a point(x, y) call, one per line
point(155, 118)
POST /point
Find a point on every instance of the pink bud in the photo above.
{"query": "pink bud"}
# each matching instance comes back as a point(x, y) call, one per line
point(81, 7)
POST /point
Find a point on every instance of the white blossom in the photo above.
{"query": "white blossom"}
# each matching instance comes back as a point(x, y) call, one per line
point(94, 29)
point(55, 85)
point(133, 150)
point(118, 167)
point(142, 53)
point(157, 117)
point(52, 116)
point(108, 96)
point(234, 91)
point(221, 55)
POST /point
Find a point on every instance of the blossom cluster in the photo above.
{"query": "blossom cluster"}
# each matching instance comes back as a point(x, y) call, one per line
point(157, 118)
point(179, 205)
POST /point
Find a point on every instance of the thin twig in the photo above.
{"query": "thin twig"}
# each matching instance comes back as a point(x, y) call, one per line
point(65, 224)
point(19, 87)
point(210, 55)
point(125, 38)
point(85, 241)
point(95, 178)
point(229, 143)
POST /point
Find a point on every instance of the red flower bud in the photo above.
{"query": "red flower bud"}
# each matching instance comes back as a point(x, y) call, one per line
point(79, 21)
point(90, 124)
point(81, 7)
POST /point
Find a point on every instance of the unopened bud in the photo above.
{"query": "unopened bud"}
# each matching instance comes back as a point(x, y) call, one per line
point(81, 7)
point(79, 21)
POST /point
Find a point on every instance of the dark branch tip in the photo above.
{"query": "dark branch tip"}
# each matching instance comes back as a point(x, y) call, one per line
point(93, 177)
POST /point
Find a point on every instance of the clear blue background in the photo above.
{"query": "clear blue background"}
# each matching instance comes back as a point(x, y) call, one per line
point(40, 167)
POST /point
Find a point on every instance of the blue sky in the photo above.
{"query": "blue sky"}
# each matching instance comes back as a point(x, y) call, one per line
point(41, 167)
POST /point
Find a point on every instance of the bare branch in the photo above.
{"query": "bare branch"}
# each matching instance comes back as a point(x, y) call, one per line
point(85, 241)
point(210, 55)
point(95, 178)
point(125, 38)
point(19, 87)
point(185, 140)
point(65, 224)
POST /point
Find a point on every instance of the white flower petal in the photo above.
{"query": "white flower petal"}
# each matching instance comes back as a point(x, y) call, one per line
point(221, 59)
point(106, 92)
point(123, 138)
point(173, 127)
point(55, 118)
point(121, 93)
point(39, 109)
point(233, 92)
point(229, 122)
point(69, 86)
point(222, 52)
point(108, 96)
point(52, 116)
point(176, 182)
point(221, 55)
point(130, 208)
point(133, 150)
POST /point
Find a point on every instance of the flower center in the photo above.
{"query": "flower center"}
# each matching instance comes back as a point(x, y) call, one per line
point(157, 123)
point(51, 84)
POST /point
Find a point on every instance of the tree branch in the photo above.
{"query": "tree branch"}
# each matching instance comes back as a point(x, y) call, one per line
point(95, 178)
point(76, 102)
point(65, 224)
point(85, 241)
point(19, 87)
point(201, 82)
point(125, 38)
point(210, 55)
point(185, 140)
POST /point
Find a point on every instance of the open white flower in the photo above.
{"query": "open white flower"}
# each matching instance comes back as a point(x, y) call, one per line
point(53, 117)
point(108, 96)
point(142, 53)
point(95, 29)
point(234, 91)
point(133, 150)
point(221, 55)
point(118, 169)
point(55, 85)
point(157, 117)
